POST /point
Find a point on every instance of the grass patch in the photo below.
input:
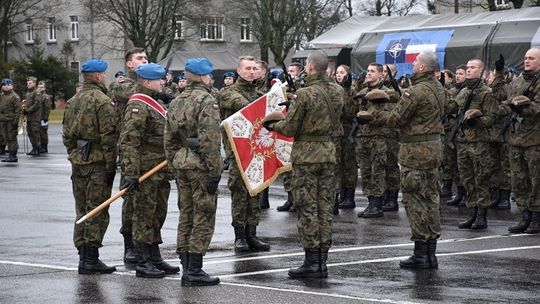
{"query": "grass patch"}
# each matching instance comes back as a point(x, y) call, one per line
point(56, 116)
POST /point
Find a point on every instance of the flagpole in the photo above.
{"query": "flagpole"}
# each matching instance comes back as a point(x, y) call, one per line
point(121, 193)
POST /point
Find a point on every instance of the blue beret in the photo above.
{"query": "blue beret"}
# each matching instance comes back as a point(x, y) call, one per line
point(94, 66)
point(119, 73)
point(229, 74)
point(7, 81)
point(199, 66)
point(150, 71)
point(180, 77)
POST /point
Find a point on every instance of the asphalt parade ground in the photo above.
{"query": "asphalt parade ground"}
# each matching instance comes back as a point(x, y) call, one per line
point(38, 263)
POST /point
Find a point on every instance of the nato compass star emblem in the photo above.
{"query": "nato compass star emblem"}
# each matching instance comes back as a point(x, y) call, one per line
point(395, 50)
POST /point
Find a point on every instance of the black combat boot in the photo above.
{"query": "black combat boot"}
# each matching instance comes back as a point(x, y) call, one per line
point(2, 149)
point(534, 226)
point(481, 219)
point(145, 268)
point(526, 217)
point(264, 203)
point(348, 201)
point(391, 203)
point(157, 260)
point(43, 150)
point(494, 196)
point(341, 194)
point(288, 204)
point(12, 158)
point(504, 200)
point(131, 255)
point(419, 259)
point(432, 248)
point(324, 258)
point(456, 200)
point(311, 267)
point(34, 152)
point(240, 243)
point(253, 241)
point(195, 276)
point(335, 211)
point(446, 190)
point(467, 224)
point(89, 262)
point(374, 208)
point(184, 260)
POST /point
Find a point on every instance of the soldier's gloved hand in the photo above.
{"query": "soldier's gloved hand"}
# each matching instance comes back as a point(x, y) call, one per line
point(213, 182)
point(109, 178)
point(130, 183)
point(25, 112)
point(272, 118)
point(499, 64)
point(471, 122)
point(519, 103)
point(363, 117)
point(286, 104)
point(166, 98)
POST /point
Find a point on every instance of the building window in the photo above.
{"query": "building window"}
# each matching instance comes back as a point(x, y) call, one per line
point(29, 31)
point(74, 28)
point(51, 30)
point(212, 29)
point(245, 29)
point(178, 28)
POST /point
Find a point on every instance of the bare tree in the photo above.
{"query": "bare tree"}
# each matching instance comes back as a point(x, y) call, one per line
point(389, 7)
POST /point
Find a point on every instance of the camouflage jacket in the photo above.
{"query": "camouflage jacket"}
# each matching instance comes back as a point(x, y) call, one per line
point(376, 127)
point(312, 121)
point(499, 90)
point(237, 96)
point(482, 100)
point(141, 136)
point(33, 105)
point(10, 107)
point(194, 114)
point(171, 88)
point(350, 108)
point(45, 106)
point(527, 133)
point(90, 115)
point(418, 117)
point(450, 120)
point(122, 91)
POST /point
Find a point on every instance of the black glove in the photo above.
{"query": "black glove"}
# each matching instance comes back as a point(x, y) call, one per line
point(499, 64)
point(109, 178)
point(213, 182)
point(166, 98)
point(362, 121)
point(518, 109)
point(286, 104)
point(268, 124)
point(45, 120)
point(25, 112)
point(130, 183)
point(471, 122)
point(347, 82)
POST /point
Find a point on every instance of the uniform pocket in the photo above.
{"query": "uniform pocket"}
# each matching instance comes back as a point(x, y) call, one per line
point(185, 159)
point(410, 181)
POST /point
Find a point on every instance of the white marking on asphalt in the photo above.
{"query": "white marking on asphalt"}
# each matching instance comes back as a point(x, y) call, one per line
point(38, 265)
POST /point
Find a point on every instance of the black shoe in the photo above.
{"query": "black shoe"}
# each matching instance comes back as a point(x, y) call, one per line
point(184, 260)
point(494, 198)
point(34, 152)
point(195, 276)
point(311, 267)
point(391, 203)
point(2, 149)
point(288, 204)
point(157, 260)
point(534, 226)
point(89, 262)
point(145, 268)
point(240, 243)
point(504, 200)
point(348, 201)
point(467, 224)
point(456, 200)
point(526, 217)
point(43, 150)
point(264, 203)
point(131, 256)
point(12, 158)
point(335, 210)
point(253, 241)
point(481, 220)
point(446, 190)
point(374, 208)
point(419, 259)
point(432, 248)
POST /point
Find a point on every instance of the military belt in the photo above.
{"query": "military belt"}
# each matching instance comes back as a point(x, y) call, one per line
point(320, 138)
point(419, 138)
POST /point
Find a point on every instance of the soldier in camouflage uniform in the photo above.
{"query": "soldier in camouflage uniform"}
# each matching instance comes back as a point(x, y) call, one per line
point(90, 139)
point(10, 111)
point(263, 86)
point(475, 168)
point(245, 208)
point(32, 112)
point(449, 167)
point(311, 121)
point(141, 144)
point(171, 87)
point(525, 144)
point(44, 122)
point(120, 94)
point(418, 116)
point(193, 148)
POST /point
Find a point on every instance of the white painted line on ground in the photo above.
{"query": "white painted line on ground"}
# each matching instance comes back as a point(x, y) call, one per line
point(38, 265)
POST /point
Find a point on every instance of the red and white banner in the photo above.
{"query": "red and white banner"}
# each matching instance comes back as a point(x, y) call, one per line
point(260, 154)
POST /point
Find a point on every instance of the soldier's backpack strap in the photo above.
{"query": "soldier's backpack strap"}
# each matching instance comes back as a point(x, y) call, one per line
point(327, 100)
point(149, 101)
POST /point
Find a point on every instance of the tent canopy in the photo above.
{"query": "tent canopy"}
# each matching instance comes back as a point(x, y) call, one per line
point(221, 60)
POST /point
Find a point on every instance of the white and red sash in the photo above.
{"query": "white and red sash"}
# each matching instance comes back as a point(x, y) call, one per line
point(149, 101)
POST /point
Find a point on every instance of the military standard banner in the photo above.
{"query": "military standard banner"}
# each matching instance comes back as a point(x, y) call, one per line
point(260, 154)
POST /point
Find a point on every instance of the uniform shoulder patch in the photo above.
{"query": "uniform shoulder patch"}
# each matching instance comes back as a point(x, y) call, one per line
point(215, 106)
point(407, 94)
point(134, 110)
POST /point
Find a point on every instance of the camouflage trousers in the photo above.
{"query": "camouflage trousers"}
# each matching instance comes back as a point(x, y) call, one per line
point(197, 212)
point(44, 136)
point(392, 167)
point(371, 155)
point(245, 209)
point(8, 135)
point(475, 168)
point(337, 171)
point(501, 177)
point(90, 190)
point(127, 212)
point(313, 192)
point(525, 168)
point(421, 200)
point(149, 201)
point(449, 165)
point(287, 181)
point(347, 167)
point(34, 133)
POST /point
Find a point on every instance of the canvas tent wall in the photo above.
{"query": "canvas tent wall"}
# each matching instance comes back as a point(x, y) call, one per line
point(480, 35)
